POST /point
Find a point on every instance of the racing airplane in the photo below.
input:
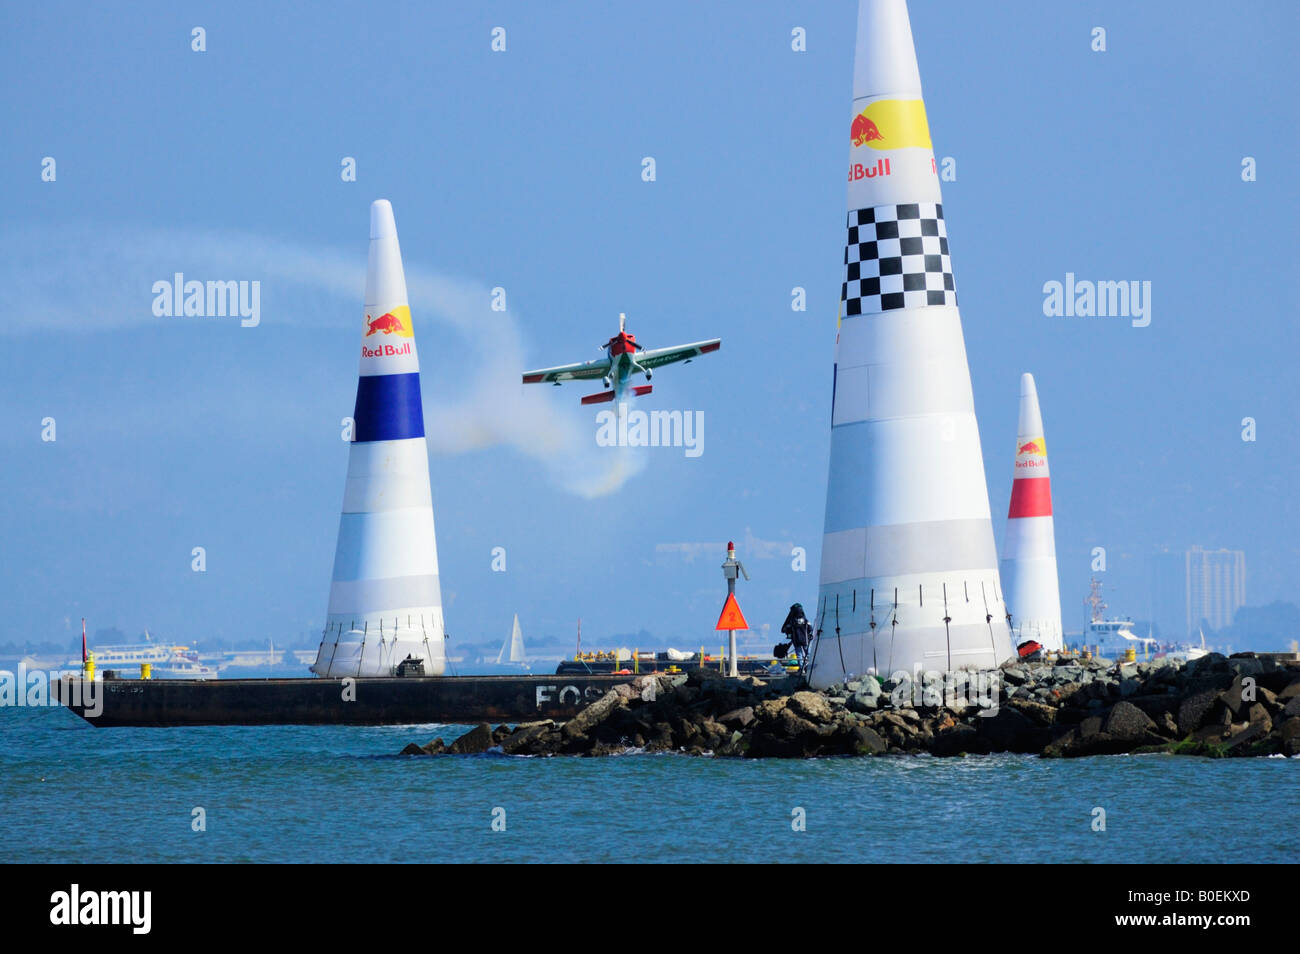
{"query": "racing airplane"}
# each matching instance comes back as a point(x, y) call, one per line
point(623, 358)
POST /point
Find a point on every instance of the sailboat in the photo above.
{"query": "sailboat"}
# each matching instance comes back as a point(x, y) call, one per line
point(512, 650)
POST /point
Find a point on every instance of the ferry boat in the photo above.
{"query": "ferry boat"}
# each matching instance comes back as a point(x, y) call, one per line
point(166, 660)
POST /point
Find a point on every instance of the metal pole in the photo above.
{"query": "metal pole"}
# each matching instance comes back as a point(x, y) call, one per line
point(734, 670)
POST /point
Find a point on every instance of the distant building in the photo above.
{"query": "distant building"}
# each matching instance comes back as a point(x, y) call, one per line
point(1216, 586)
point(1196, 588)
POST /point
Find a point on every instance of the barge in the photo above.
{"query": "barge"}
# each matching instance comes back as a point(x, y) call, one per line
point(407, 700)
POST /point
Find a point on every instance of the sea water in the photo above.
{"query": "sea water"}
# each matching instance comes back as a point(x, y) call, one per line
point(71, 792)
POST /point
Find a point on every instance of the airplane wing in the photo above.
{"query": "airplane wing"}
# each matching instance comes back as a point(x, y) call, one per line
point(583, 371)
point(658, 357)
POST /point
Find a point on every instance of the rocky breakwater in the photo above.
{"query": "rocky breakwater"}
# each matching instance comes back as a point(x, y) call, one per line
point(1215, 706)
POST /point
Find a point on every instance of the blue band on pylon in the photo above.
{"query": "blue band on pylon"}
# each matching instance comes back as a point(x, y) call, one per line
point(388, 408)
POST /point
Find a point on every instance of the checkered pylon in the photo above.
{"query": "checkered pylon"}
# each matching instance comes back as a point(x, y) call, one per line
point(896, 257)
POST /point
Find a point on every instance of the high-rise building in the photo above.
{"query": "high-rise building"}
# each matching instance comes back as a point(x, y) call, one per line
point(1216, 586)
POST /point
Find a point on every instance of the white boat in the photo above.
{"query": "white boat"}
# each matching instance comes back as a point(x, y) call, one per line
point(183, 664)
point(512, 650)
point(1112, 638)
point(124, 656)
point(166, 660)
point(1185, 652)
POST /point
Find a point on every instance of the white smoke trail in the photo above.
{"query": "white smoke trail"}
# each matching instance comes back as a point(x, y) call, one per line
point(97, 280)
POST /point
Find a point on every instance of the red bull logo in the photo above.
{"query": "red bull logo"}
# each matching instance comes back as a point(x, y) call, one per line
point(858, 171)
point(388, 323)
point(395, 321)
point(386, 350)
point(1032, 455)
point(864, 130)
point(891, 124)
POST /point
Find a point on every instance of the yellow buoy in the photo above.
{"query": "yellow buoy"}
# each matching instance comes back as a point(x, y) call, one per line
point(146, 670)
point(90, 666)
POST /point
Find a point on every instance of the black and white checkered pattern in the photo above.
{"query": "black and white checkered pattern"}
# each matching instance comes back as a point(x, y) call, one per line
point(897, 257)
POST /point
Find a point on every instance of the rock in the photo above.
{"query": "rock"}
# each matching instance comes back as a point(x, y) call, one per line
point(866, 741)
point(1290, 691)
point(1073, 745)
point(738, 717)
point(1038, 712)
point(787, 736)
point(627, 691)
point(894, 719)
point(1089, 727)
point(1252, 732)
point(1289, 734)
point(811, 706)
point(1193, 710)
point(793, 726)
point(1258, 715)
point(661, 738)
point(1292, 707)
point(1127, 721)
point(1128, 687)
point(1233, 697)
point(1061, 744)
point(434, 747)
point(593, 714)
point(864, 702)
point(1015, 675)
point(1211, 733)
point(961, 739)
point(411, 749)
point(1245, 665)
point(1210, 662)
point(524, 737)
point(477, 739)
point(1011, 731)
point(499, 733)
point(769, 710)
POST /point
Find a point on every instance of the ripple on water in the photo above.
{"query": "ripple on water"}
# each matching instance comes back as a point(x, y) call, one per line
point(283, 793)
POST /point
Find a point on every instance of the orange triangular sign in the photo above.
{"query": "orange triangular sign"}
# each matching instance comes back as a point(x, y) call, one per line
point(732, 617)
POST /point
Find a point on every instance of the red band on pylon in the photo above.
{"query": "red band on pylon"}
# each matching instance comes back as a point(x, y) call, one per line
point(1031, 497)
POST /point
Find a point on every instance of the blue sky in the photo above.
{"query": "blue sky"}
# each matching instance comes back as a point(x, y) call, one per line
point(522, 170)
